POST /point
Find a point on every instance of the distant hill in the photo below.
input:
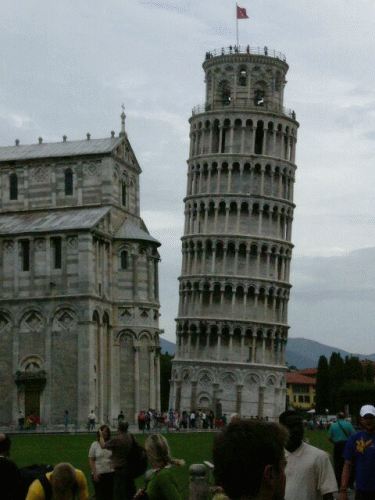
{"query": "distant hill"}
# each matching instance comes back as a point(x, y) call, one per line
point(302, 353)
point(167, 346)
point(305, 353)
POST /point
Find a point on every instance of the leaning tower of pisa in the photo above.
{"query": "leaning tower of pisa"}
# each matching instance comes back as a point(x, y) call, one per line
point(234, 285)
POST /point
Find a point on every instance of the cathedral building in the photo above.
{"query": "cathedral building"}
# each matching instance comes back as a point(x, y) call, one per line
point(79, 302)
point(232, 322)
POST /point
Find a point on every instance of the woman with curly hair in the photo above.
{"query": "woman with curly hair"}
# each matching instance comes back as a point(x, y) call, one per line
point(162, 484)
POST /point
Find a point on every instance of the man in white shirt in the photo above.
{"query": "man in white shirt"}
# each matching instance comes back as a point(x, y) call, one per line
point(309, 473)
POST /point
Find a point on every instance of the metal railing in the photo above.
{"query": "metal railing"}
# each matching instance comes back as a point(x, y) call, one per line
point(234, 49)
point(243, 106)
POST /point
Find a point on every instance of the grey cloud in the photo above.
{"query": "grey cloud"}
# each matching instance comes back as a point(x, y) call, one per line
point(360, 92)
point(346, 274)
point(69, 67)
point(369, 135)
point(167, 6)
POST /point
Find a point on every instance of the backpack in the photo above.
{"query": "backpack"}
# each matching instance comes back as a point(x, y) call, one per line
point(36, 471)
point(137, 459)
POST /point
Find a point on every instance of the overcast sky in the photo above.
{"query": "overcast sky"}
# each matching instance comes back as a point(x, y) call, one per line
point(67, 66)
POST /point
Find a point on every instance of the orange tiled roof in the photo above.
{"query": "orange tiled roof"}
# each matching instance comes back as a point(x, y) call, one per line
point(298, 378)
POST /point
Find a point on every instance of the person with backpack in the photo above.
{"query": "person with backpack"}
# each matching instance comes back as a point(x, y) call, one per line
point(339, 434)
point(121, 446)
point(63, 483)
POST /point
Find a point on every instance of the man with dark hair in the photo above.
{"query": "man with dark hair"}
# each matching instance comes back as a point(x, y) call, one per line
point(309, 473)
point(121, 445)
point(5, 443)
point(249, 460)
point(10, 476)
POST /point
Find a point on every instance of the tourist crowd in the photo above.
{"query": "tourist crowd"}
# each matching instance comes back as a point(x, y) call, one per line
point(252, 459)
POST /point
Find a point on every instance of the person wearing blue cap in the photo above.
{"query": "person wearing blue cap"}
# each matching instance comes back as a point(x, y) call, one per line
point(360, 453)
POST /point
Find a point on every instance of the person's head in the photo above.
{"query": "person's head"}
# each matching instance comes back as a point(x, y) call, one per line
point(123, 427)
point(63, 480)
point(249, 460)
point(5, 443)
point(158, 451)
point(294, 423)
point(340, 416)
point(106, 432)
point(367, 414)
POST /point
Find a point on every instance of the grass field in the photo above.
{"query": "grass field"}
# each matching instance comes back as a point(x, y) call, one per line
point(192, 447)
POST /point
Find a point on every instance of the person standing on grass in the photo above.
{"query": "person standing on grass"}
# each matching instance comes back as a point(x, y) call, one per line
point(91, 420)
point(339, 434)
point(66, 420)
point(360, 453)
point(21, 420)
point(192, 419)
point(121, 417)
point(32, 421)
point(66, 483)
point(101, 466)
point(120, 446)
point(309, 473)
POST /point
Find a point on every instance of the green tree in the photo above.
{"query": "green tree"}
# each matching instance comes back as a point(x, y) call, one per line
point(336, 380)
point(369, 372)
point(165, 377)
point(356, 394)
point(322, 386)
point(353, 369)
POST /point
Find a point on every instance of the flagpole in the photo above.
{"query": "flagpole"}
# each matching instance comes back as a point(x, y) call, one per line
point(236, 24)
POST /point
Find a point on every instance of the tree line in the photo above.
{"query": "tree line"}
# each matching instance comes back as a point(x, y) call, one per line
point(342, 383)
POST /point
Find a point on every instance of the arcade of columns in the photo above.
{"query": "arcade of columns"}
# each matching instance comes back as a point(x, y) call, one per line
point(234, 285)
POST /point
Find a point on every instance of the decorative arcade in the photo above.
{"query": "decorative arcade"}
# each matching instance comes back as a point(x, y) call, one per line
point(234, 286)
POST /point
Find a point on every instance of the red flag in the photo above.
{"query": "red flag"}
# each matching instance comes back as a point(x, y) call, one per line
point(241, 13)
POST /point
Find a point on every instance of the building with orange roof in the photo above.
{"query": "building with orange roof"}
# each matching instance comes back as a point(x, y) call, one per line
point(300, 386)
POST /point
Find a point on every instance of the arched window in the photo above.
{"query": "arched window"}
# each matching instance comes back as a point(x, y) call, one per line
point(259, 134)
point(13, 187)
point(242, 77)
point(56, 252)
point(25, 255)
point(224, 88)
point(68, 182)
point(124, 259)
point(259, 97)
point(123, 194)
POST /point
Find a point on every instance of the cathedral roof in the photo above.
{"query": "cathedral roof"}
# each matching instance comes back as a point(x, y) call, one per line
point(130, 232)
point(59, 220)
point(58, 149)
point(67, 220)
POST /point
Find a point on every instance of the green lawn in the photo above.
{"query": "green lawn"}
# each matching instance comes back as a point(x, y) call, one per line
point(192, 447)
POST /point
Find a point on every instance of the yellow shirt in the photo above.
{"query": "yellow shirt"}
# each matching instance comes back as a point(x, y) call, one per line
point(36, 490)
